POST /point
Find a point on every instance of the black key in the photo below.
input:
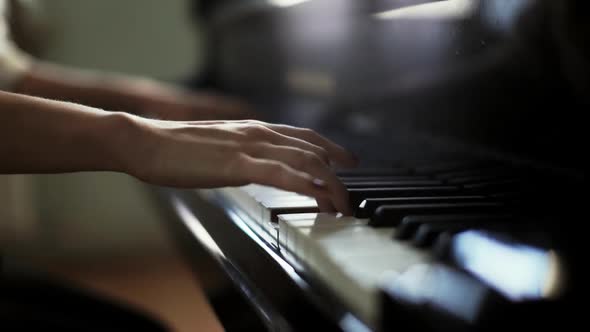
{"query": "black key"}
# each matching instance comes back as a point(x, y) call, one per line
point(410, 224)
point(369, 205)
point(352, 179)
point(496, 171)
point(442, 246)
point(373, 172)
point(426, 234)
point(390, 184)
point(357, 195)
point(495, 186)
point(506, 196)
point(448, 167)
point(478, 179)
point(517, 200)
point(392, 215)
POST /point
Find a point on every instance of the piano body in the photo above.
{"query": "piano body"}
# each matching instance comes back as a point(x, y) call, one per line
point(466, 115)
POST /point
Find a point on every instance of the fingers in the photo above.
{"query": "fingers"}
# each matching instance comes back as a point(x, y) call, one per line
point(292, 136)
point(276, 174)
point(286, 157)
point(280, 139)
point(309, 163)
point(335, 152)
point(260, 133)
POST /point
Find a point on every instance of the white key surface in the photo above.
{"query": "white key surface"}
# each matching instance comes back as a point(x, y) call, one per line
point(349, 256)
point(261, 203)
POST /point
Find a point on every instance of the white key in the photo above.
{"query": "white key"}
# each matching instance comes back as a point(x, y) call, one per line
point(308, 220)
point(273, 207)
point(347, 255)
point(262, 204)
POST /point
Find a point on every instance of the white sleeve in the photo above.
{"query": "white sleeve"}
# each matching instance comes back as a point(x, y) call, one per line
point(14, 63)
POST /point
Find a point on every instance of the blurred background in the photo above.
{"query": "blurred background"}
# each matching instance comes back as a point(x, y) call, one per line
point(101, 229)
point(94, 214)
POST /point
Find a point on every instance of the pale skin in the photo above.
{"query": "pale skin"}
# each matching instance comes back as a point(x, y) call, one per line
point(39, 135)
point(136, 95)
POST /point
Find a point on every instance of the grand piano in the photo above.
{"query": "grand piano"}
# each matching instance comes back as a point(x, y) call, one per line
point(467, 119)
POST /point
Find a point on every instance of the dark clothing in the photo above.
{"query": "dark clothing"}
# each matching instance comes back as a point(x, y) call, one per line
point(41, 304)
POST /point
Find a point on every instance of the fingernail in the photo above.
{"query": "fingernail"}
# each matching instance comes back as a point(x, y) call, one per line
point(319, 183)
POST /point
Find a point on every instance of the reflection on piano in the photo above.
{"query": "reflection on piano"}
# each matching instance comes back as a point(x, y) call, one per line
point(466, 115)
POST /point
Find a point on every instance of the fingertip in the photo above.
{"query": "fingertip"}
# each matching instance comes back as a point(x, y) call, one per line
point(346, 211)
point(319, 183)
point(342, 204)
point(325, 205)
point(319, 189)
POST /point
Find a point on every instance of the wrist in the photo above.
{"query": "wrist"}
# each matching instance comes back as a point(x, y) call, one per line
point(126, 135)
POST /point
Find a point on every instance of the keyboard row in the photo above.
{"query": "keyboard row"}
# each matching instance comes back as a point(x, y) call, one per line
point(421, 226)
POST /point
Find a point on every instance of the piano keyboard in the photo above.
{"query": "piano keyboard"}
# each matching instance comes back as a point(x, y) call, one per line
point(405, 221)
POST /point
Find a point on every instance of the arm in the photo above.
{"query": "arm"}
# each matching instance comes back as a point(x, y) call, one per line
point(43, 136)
point(21, 73)
point(140, 96)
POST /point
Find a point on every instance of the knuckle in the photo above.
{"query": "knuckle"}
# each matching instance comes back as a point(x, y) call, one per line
point(254, 148)
point(254, 123)
point(257, 131)
point(299, 160)
point(237, 162)
point(323, 154)
point(240, 136)
point(310, 158)
point(308, 132)
point(304, 160)
point(261, 146)
point(246, 146)
point(277, 170)
point(233, 168)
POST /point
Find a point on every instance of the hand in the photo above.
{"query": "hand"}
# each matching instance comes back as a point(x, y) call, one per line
point(159, 101)
point(234, 153)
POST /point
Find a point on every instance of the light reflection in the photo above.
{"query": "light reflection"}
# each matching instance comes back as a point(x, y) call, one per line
point(286, 3)
point(452, 9)
point(502, 15)
point(196, 227)
point(438, 286)
point(519, 272)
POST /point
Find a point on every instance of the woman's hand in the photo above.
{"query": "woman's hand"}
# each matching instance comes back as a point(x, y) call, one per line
point(46, 136)
point(234, 153)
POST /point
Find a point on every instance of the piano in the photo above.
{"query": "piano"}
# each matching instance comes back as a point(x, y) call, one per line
point(468, 211)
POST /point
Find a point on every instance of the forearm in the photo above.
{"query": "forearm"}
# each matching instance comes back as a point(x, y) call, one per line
point(107, 91)
point(43, 136)
point(125, 93)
